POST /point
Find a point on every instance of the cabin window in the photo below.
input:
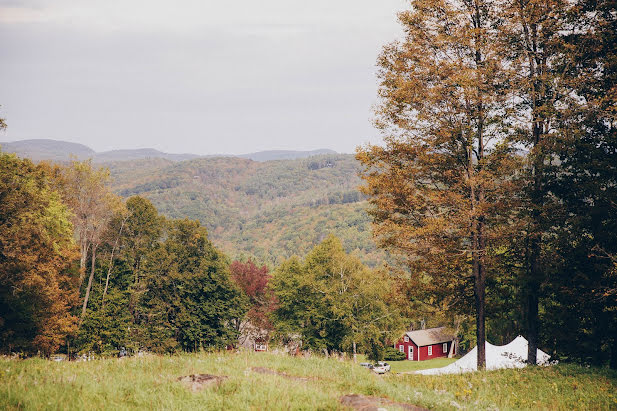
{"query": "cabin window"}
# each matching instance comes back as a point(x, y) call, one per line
point(406, 339)
point(445, 348)
point(401, 348)
point(430, 350)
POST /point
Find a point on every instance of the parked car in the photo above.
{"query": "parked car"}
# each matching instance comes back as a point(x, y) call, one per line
point(379, 369)
point(366, 365)
point(384, 364)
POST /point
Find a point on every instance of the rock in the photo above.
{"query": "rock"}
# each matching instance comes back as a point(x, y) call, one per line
point(197, 382)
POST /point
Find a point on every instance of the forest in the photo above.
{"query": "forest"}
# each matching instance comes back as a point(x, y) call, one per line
point(266, 210)
point(492, 204)
point(87, 271)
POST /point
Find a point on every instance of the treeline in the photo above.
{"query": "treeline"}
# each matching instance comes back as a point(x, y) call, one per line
point(523, 243)
point(82, 270)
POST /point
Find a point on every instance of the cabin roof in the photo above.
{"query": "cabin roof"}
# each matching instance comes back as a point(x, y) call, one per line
point(430, 336)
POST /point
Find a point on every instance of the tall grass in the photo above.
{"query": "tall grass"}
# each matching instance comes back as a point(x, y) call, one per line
point(151, 383)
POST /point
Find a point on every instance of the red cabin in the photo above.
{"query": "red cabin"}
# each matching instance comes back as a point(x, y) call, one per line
point(423, 345)
point(261, 344)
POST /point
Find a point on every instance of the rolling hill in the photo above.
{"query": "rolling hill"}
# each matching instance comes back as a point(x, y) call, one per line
point(44, 149)
point(252, 205)
point(269, 210)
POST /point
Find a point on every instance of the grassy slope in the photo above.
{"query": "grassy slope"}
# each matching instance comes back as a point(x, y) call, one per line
point(268, 210)
point(410, 366)
point(150, 383)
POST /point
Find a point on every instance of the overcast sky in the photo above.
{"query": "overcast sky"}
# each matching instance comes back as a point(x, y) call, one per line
point(197, 76)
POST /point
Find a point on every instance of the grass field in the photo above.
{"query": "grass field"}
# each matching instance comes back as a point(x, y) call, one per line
point(410, 366)
point(151, 383)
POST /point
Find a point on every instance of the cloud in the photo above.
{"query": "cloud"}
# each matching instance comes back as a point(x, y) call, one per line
point(200, 76)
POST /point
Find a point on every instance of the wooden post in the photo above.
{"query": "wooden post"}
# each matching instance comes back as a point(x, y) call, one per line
point(354, 352)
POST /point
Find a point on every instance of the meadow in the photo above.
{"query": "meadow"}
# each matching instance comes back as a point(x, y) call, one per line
point(266, 381)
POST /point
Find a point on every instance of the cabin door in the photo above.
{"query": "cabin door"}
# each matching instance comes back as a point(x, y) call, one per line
point(411, 352)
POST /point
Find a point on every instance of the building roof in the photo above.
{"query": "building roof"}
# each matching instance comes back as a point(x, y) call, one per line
point(430, 336)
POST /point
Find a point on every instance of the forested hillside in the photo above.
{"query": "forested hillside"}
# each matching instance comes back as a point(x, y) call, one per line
point(269, 210)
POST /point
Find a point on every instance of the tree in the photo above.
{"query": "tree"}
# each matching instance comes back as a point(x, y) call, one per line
point(37, 285)
point(142, 231)
point(115, 310)
point(531, 41)
point(253, 281)
point(437, 188)
point(332, 300)
point(581, 282)
point(87, 192)
point(189, 299)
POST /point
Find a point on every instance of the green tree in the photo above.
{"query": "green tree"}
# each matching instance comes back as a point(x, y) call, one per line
point(190, 299)
point(133, 232)
point(332, 300)
point(580, 283)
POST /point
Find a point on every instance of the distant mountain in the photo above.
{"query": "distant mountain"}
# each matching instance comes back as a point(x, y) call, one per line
point(284, 154)
point(139, 154)
point(55, 150)
point(44, 149)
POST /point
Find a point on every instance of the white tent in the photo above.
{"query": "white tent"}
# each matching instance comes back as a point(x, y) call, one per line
point(513, 355)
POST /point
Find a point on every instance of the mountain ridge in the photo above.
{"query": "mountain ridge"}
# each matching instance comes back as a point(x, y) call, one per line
point(62, 151)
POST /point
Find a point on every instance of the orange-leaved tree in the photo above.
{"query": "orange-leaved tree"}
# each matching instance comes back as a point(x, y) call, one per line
point(38, 285)
point(437, 187)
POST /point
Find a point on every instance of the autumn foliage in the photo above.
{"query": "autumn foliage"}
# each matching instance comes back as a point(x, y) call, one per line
point(37, 275)
point(253, 280)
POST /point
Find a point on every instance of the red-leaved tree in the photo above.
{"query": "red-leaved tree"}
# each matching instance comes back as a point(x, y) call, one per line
point(253, 280)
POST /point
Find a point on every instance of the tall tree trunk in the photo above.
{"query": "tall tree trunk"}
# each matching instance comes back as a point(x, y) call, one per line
point(537, 95)
point(481, 299)
point(111, 261)
point(84, 246)
point(479, 274)
point(477, 201)
point(87, 296)
point(535, 268)
point(533, 284)
point(478, 271)
point(613, 361)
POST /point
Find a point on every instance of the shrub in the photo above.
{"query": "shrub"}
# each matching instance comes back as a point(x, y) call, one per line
point(392, 354)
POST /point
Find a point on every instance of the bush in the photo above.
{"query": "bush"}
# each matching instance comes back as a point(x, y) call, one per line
point(392, 354)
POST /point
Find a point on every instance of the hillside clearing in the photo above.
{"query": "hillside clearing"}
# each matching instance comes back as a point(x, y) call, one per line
point(152, 382)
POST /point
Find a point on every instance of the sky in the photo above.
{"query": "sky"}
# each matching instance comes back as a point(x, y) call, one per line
point(204, 77)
